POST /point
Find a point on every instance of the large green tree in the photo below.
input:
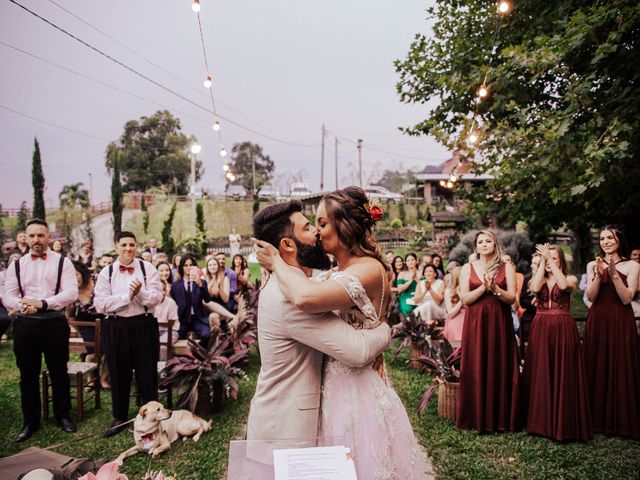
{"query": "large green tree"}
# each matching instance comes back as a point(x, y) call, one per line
point(243, 156)
point(154, 153)
point(74, 195)
point(560, 129)
point(37, 179)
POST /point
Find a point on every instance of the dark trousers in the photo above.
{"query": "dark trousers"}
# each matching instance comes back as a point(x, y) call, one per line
point(131, 343)
point(198, 325)
point(33, 337)
point(5, 321)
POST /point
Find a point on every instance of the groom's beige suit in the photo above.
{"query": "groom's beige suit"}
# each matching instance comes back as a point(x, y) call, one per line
point(292, 343)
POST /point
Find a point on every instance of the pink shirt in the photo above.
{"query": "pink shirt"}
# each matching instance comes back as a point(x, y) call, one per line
point(38, 278)
point(114, 297)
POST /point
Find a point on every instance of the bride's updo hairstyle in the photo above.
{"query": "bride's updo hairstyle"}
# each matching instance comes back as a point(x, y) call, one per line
point(348, 211)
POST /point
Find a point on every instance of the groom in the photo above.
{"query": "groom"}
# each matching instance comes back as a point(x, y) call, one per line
point(292, 342)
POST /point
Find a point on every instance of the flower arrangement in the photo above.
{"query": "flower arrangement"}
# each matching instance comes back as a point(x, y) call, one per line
point(109, 471)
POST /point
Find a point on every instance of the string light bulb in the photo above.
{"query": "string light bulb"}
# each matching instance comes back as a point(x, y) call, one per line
point(483, 91)
point(472, 139)
point(449, 184)
point(225, 167)
point(195, 6)
point(453, 178)
point(223, 152)
point(208, 82)
point(504, 7)
point(216, 126)
point(443, 183)
point(196, 148)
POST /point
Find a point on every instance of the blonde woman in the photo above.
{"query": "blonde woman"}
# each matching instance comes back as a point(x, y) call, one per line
point(489, 376)
point(219, 291)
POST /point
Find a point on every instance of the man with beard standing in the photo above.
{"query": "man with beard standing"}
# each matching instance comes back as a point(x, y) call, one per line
point(292, 343)
point(39, 287)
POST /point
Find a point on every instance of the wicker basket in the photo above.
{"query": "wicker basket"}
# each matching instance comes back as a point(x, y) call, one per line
point(414, 353)
point(448, 400)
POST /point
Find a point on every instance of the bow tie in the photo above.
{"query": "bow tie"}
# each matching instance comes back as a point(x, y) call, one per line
point(129, 270)
point(35, 257)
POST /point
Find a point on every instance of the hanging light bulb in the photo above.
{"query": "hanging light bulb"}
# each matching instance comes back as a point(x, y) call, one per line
point(196, 148)
point(223, 152)
point(225, 167)
point(195, 6)
point(208, 82)
point(443, 183)
point(216, 126)
point(453, 178)
point(472, 138)
point(449, 184)
point(232, 177)
point(483, 91)
point(228, 175)
point(504, 7)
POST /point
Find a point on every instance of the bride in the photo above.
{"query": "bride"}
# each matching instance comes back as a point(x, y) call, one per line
point(357, 403)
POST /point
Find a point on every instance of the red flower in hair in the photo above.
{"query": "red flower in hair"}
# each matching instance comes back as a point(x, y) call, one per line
point(376, 212)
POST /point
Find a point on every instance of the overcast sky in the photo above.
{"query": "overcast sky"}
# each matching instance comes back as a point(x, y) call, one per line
point(280, 67)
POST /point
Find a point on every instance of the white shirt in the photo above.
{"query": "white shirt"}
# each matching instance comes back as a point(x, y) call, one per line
point(38, 278)
point(187, 290)
point(166, 310)
point(114, 297)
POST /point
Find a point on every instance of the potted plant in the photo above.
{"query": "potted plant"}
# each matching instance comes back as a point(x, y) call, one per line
point(412, 333)
point(441, 358)
point(206, 377)
point(243, 331)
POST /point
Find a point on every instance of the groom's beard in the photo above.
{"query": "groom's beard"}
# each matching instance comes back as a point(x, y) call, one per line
point(312, 256)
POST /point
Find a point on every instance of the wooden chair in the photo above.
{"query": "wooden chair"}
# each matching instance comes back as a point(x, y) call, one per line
point(82, 375)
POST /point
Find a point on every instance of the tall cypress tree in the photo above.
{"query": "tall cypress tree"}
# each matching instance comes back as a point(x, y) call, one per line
point(37, 179)
point(116, 197)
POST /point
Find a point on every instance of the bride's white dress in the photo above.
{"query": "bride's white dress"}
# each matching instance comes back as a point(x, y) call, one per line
point(359, 405)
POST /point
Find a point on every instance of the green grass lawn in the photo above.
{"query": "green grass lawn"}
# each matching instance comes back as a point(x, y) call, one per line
point(466, 455)
point(205, 459)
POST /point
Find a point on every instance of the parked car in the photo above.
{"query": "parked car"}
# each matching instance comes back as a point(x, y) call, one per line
point(267, 192)
point(300, 189)
point(235, 192)
point(376, 192)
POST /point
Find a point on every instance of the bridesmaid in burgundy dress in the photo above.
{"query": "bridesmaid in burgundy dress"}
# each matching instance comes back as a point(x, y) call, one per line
point(612, 348)
point(489, 375)
point(554, 382)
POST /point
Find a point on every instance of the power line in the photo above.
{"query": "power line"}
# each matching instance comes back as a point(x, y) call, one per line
point(151, 80)
point(55, 125)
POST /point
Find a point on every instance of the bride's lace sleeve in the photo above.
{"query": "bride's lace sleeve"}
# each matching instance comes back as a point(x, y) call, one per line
point(359, 297)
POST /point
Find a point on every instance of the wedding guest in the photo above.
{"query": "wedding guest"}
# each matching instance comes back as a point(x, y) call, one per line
point(39, 286)
point(554, 384)
point(242, 271)
point(429, 296)
point(454, 322)
point(612, 347)
point(160, 258)
point(5, 320)
point(219, 292)
point(86, 256)
point(389, 256)
point(83, 310)
point(528, 303)
point(407, 283)
point(189, 293)
point(175, 266)
point(22, 246)
point(437, 262)
point(146, 256)
point(234, 243)
point(233, 281)
point(127, 293)
point(426, 260)
point(397, 266)
point(635, 255)
point(58, 247)
point(166, 310)
point(153, 247)
point(515, 306)
point(489, 376)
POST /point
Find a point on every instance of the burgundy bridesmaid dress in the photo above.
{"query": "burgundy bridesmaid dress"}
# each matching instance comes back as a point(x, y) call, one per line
point(554, 383)
point(612, 352)
point(489, 375)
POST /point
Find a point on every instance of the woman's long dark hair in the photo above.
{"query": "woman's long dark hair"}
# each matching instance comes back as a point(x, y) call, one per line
point(348, 211)
point(623, 246)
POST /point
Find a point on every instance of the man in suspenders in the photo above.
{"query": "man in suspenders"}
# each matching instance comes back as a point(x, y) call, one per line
point(38, 287)
point(126, 293)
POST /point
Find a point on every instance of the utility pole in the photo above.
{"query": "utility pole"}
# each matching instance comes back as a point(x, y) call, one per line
point(360, 161)
point(335, 142)
point(322, 160)
point(90, 189)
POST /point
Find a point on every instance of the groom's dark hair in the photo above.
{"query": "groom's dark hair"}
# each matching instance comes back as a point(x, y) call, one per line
point(273, 223)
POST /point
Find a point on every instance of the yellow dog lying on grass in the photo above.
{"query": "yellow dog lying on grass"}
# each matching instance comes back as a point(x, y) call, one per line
point(156, 428)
